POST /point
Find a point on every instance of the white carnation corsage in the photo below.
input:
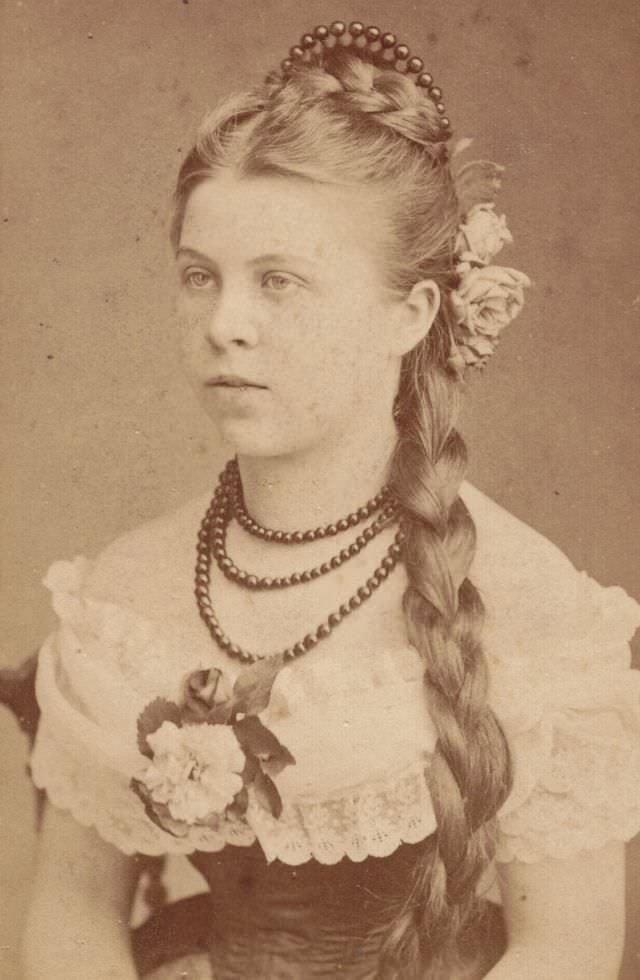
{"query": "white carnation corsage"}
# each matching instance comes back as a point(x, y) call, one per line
point(206, 752)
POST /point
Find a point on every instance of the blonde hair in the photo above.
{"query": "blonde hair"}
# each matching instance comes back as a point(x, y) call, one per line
point(346, 122)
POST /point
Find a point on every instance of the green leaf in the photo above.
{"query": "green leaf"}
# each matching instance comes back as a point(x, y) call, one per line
point(150, 808)
point(240, 803)
point(254, 737)
point(267, 794)
point(252, 689)
point(220, 714)
point(152, 718)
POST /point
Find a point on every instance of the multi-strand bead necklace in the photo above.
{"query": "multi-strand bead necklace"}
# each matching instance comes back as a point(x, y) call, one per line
point(228, 503)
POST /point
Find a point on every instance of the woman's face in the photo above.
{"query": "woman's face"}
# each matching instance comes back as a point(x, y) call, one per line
point(285, 324)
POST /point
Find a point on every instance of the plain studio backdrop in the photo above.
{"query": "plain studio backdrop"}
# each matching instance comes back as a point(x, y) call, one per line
point(100, 432)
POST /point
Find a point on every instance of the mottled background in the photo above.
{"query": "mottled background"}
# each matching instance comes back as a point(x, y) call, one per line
point(100, 100)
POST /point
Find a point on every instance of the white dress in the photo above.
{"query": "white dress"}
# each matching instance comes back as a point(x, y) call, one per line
point(358, 729)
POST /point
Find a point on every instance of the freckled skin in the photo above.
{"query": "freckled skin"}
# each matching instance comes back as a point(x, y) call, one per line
point(315, 327)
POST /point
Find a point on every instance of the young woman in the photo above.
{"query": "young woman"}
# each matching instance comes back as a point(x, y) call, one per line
point(386, 691)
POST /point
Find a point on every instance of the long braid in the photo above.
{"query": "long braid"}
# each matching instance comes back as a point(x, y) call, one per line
point(469, 775)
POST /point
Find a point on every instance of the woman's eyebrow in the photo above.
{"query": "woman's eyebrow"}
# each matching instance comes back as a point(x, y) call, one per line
point(192, 253)
point(273, 258)
point(276, 258)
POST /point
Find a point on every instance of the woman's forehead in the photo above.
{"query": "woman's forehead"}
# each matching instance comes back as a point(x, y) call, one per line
point(288, 215)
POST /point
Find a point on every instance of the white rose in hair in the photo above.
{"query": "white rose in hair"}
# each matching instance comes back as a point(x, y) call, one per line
point(482, 235)
point(488, 298)
point(195, 770)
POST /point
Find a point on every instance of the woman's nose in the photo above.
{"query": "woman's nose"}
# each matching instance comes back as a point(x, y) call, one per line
point(231, 323)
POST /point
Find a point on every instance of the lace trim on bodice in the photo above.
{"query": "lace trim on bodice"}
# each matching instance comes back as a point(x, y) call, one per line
point(560, 685)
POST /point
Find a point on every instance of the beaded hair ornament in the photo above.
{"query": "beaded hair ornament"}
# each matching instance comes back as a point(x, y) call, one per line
point(487, 297)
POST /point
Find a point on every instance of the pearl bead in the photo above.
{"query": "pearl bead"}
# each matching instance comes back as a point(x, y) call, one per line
point(298, 537)
point(355, 601)
point(425, 80)
point(310, 641)
point(356, 28)
point(241, 576)
point(252, 581)
point(343, 524)
point(267, 582)
point(334, 619)
point(307, 576)
point(373, 34)
point(323, 630)
point(332, 530)
point(226, 563)
point(288, 654)
point(286, 65)
point(414, 65)
point(321, 33)
point(338, 28)
point(345, 609)
point(336, 561)
point(364, 592)
point(402, 52)
point(440, 107)
point(353, 519)
point(354, 549)
point(307, 41)
point(436, 93)
point(296, 52)
point(325, 567)
point(345, 554)
point(445, 123)
point(311, 535)
point(295, 578)
point(299, 649)
point(316, 572)
point(388, 40)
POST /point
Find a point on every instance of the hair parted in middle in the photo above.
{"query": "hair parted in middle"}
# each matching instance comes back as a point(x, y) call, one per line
point(343, 120)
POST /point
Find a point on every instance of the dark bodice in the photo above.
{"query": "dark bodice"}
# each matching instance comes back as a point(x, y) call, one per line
point(278, 922)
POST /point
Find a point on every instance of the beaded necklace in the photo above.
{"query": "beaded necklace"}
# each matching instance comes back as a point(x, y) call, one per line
point(227, 503)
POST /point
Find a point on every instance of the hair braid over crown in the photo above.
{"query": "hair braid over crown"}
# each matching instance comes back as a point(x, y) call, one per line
point(342, 120)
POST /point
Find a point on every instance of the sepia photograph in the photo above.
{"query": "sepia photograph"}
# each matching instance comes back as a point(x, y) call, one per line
point(320, 424)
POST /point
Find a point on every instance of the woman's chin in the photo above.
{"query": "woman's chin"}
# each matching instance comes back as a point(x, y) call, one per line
point(250, 436)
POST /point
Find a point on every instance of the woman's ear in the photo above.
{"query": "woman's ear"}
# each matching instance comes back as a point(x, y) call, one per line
point(415, 314)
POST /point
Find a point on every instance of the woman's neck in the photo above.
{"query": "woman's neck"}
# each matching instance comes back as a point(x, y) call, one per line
point(317, 487)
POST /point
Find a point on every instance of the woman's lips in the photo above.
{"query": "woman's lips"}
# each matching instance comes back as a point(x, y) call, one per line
point(233, 381)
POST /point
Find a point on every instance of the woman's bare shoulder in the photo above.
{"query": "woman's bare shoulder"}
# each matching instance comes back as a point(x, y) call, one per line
point(152, 562)
point(506, 544)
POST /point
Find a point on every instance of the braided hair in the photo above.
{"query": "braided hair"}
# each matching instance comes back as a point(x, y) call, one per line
point(342, 120)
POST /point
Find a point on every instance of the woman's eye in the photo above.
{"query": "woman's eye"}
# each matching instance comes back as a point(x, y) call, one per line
point(278, 282)
point(197, 278)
